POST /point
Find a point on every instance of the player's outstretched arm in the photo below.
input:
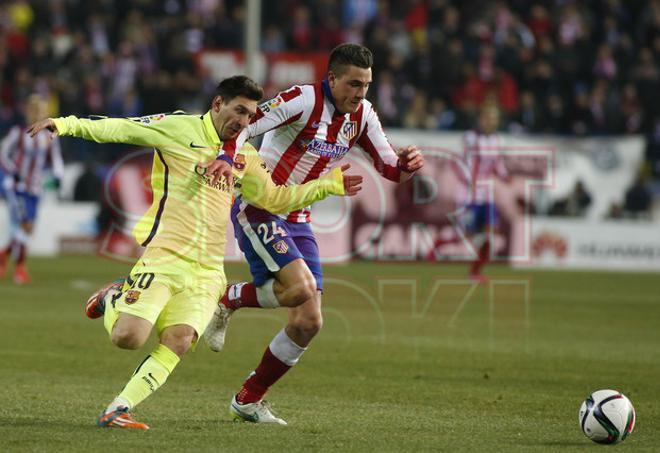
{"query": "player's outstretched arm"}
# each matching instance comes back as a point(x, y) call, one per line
point(146, 131)
point(258, 189)
point(397, 165)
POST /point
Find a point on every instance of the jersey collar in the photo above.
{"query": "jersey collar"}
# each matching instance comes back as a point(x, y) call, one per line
point(210, 129)
point(327, 92)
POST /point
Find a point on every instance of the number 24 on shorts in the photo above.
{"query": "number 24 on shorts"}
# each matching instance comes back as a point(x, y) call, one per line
point(268, 234)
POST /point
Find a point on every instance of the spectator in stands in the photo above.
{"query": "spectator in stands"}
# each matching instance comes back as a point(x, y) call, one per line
point(584, 67)
point(615, 211)
point(87, 185)
point(638, 198)
point(575, 205)
point(653, 148)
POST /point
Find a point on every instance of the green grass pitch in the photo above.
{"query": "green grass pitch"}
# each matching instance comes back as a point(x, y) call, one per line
point(411, 358)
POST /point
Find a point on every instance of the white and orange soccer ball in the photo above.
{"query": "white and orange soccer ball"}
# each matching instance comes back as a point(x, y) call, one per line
point(607, 417)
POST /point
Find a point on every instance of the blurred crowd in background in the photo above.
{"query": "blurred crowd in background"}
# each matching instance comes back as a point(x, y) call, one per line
point(558, 66)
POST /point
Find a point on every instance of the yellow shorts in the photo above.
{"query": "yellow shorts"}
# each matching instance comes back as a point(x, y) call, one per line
point(167, 289)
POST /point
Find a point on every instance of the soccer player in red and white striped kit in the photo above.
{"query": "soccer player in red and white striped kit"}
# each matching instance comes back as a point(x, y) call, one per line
point(483, 160)
point(24, 160)
point(308, 128)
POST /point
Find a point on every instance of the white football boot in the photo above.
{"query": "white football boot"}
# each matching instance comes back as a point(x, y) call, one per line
point(258, 412)
point(217, 328)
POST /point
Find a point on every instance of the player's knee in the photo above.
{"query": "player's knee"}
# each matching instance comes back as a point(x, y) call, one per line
point(179, 339)
point(302, 291)
point(126, 339)
point(308, 326)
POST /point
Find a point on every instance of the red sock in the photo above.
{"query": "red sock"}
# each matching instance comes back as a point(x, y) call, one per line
point(240, 295)
point(439, 242)
point(436, 245)
point(269, 371)
point(484, 255)
point(20, 254)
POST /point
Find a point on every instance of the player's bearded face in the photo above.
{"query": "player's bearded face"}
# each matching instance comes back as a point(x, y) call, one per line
point(232, 117)
point(350, 87)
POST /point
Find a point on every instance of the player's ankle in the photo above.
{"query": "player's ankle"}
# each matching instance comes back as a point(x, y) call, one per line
point(116, 404)
point(247, 395)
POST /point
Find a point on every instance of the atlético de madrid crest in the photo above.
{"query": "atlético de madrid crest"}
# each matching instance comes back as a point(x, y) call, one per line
point(281, 247)
point(349, 129)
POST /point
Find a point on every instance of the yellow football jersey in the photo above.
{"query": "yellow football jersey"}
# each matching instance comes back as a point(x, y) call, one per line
point(189, 214)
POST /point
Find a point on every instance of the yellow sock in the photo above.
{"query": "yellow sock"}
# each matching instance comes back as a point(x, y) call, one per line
point(150, 375)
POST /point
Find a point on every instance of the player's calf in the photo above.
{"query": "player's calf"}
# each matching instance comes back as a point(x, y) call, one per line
point(178, 338)
point(305, 322)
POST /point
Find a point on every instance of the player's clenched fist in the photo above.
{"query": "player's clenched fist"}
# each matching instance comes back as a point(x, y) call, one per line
point(411, 158)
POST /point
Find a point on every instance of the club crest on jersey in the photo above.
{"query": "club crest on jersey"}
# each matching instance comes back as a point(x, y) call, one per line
point(239, 161)
point(349, 129)
point(132, 296)
point(281, 247)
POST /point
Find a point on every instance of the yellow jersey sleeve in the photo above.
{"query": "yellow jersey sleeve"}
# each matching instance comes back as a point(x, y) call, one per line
point(152, 131)
point(257, 188)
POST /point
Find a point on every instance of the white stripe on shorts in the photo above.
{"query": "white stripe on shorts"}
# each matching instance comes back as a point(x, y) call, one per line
point(256, 243)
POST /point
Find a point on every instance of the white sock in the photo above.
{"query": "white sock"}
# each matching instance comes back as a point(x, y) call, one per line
point(116, 404)
point(285, 349)
point(266, 296)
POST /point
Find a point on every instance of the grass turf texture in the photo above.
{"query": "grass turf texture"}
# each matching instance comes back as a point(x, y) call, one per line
point(411, 358)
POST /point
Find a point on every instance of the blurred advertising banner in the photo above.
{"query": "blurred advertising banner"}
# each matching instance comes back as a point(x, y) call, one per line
point(430, 217)
point(275, 72)
point(428, 214)
point(578, 244)
point(606, 166)
point(427, 217)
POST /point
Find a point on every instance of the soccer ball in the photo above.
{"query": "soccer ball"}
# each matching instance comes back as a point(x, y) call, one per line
point(607, 417)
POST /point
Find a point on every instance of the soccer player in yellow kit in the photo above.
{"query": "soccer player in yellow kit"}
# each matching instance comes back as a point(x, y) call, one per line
point(176, 283)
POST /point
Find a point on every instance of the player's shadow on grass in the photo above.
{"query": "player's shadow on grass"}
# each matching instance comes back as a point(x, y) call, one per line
point(561, 443)
point(202, 423)
point(44, 423)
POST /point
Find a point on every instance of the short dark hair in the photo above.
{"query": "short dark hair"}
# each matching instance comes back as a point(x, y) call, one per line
point(349, 54)
point(239, 85)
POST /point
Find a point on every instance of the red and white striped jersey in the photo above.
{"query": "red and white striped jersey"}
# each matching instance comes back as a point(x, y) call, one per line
point(481, 154)
point(305, 135)
point(28, 157)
